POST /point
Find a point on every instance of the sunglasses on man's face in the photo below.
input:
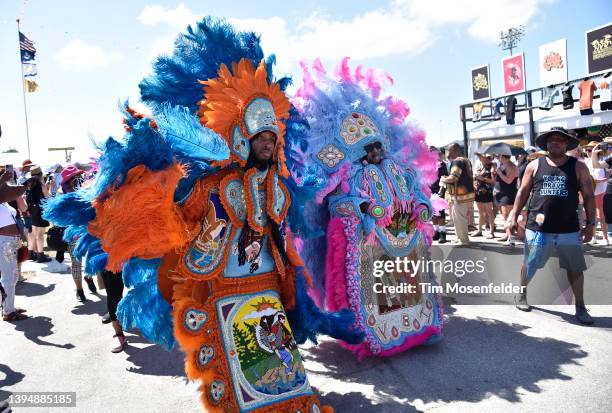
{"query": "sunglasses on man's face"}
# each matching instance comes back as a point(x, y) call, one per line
point(372, 146)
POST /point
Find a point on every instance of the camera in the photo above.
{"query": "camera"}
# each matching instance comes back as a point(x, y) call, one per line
point(605, 146)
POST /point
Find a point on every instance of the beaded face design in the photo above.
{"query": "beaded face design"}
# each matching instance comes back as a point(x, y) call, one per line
point(330, 155)
point(195, 319)
point(205, 355)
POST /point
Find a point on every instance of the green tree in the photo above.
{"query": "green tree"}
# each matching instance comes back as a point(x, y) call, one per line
point(246, 345)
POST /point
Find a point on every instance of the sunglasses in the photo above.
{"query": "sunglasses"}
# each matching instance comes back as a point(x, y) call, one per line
point(372, 146)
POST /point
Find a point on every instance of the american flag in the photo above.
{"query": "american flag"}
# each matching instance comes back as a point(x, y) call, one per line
point(26, 46)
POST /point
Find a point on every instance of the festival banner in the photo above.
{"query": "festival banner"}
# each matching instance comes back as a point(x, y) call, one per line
point(599, 49)
point(481, 86)
point(553, 63)
point(513, 72)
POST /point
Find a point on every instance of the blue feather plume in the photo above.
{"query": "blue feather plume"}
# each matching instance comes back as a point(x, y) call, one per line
point(197, 55)
point(187, 137)
point(307, 320)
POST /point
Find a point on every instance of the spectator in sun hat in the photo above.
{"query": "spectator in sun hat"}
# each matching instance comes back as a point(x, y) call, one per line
point(554, 183)
point(37, 192)
point(70, 178)
point(23, 174)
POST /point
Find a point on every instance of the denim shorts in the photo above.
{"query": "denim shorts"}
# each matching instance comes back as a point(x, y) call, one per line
point(539, 246)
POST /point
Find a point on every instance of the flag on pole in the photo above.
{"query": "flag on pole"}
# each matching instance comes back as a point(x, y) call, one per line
point(29, 69)
point(31, 86)
point(26, 46)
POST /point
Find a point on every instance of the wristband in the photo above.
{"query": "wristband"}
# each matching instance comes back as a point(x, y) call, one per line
point(591, 223)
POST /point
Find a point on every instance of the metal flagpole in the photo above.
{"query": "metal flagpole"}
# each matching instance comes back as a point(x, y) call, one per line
point(25, 107)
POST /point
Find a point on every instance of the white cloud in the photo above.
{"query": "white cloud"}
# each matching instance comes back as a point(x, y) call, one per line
point(78, 55)
point(179, 17)
point(485, 18)
point(403, 27)
point(317, 36)
point(373, 34)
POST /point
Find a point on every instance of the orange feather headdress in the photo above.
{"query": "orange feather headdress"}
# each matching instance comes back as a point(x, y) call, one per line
point(241, 103)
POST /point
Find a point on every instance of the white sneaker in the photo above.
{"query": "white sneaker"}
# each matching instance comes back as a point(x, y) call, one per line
point(593, 241)
point(606, 241)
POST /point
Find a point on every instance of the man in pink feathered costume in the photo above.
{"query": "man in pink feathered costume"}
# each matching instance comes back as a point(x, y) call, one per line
point(377, 170)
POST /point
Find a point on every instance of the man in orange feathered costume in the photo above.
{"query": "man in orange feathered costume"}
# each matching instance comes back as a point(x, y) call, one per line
point(227, 261)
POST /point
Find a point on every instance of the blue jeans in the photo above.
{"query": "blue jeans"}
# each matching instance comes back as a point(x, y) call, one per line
point(9, 270)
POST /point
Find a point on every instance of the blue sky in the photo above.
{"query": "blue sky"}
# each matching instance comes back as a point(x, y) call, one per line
point(91, 54)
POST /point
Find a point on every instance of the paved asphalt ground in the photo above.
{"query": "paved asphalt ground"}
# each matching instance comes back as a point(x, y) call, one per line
point(493, 357)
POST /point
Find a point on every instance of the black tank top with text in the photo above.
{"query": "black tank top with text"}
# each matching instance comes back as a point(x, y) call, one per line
point(554, 198)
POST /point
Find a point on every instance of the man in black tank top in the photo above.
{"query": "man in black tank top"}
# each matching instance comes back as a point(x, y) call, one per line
point(552, 223)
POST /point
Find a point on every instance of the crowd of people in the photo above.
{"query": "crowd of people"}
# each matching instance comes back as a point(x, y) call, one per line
point(552, 199)
point(490, 188)
point(25, 234)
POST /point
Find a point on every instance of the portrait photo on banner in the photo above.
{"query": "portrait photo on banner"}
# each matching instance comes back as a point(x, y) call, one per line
point(513, 72)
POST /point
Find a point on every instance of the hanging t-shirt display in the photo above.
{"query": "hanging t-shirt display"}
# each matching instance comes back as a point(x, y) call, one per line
point(499, 104)
point(548, 97)
point(587, 89)
point(477, 111)
point(568, 100)
point(510, 109)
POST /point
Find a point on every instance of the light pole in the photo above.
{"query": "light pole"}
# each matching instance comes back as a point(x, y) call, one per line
point(511, 38)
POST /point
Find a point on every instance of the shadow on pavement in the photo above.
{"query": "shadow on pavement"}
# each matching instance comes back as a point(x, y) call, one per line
point(599, 251)
point(34, 328)
point(29, 289)
point(90, 307)
point(11, 377)
point(600, 322)
point(477, 358)
point(358, 401)
point(153, 360)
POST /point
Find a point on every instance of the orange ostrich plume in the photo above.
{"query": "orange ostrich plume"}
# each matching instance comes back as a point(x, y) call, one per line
point(241, 103)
